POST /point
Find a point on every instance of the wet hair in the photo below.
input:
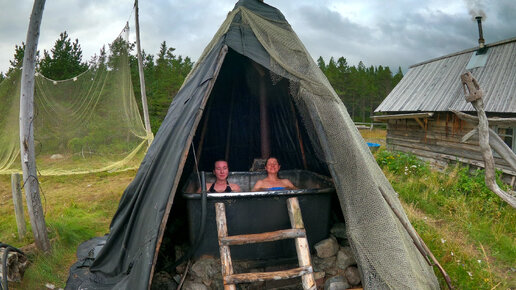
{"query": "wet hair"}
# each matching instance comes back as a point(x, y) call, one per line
point(271, 157)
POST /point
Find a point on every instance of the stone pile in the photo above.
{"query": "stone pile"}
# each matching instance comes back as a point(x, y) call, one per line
point(333, 263)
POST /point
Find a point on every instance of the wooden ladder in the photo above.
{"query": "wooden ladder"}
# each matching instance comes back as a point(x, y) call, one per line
point(297, 232)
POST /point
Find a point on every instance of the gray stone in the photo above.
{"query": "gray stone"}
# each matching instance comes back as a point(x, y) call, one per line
point(206, 268)
point(327, 248)
point(336, 283)
point(339, 230)
point(163, 280)
point(192, 285)
point(56, 156)
point(325, 265)
point(352, 275)
point(345, 258)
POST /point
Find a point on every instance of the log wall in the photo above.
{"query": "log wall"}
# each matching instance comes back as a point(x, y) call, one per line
point(440, 142)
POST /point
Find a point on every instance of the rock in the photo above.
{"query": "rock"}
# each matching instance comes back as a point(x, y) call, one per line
point(163, 280)
point(206, 268)
point(192, 285)
point(326, 265)
point(327, 248)
point(319, 279)
point(56, 156)
point(345, 258)
point(336, 283)
point(339, 230)
point(352, 275)
point(319, 275)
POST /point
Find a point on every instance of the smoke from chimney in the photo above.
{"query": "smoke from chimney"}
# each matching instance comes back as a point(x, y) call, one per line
point(475, 9)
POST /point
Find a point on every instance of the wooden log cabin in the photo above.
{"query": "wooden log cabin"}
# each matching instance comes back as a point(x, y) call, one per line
point(418, 110)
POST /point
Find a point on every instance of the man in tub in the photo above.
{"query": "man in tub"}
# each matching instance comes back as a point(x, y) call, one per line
point(272, 181)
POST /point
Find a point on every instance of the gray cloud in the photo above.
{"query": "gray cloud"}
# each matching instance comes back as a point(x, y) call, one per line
point(393, 33)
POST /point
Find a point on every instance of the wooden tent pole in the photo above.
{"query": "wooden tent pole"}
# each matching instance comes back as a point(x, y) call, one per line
point(264, 115)
point(298, 132)
point(142, 77)
point(27, 150)
point(228, 137)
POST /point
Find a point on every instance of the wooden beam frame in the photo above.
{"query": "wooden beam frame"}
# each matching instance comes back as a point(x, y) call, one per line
point(383, 118)
point(415, 116)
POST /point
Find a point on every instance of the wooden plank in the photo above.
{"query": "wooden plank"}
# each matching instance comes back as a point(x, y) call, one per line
point(302, 248)
point(263, 276)
point(447, 158)
point(449, 149)
point(18, 205)
point(420, 123)
point(403, 116)
point(262, 237)
point(225, 255)
point(492, 121)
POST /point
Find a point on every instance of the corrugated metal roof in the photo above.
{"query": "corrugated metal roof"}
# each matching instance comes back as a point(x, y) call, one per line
point(435, 85)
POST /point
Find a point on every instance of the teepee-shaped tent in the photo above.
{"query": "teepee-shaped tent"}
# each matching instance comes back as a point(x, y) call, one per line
point(255, 54)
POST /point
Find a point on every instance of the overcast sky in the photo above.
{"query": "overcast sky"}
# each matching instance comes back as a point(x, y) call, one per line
point(378, 32)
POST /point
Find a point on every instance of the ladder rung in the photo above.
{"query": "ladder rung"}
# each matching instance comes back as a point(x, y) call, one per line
point(263, 237)
point(262, 276)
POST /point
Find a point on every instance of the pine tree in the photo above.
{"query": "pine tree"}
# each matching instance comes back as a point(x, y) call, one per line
point(64, 60)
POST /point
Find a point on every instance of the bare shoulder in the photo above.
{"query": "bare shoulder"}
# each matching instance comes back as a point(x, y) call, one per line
point(288, 183)
point(208, 185)
point(258, 185)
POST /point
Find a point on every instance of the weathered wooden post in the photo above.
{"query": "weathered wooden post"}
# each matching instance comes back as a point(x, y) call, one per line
point(474, 94)
point(142, 78)
point(18, 205)
point(28, 156)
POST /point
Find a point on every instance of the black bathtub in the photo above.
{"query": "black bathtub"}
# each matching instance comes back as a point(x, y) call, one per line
point(264, 211)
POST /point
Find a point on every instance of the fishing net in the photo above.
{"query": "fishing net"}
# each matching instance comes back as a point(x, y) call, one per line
point(89, 123)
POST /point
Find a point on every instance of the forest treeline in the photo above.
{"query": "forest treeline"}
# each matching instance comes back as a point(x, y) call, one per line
point(361, 88)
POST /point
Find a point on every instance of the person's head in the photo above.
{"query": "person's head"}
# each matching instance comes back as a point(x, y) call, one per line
point(221, 169)
point(272, 165)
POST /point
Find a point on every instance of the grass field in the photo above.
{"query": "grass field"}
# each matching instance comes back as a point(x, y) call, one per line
point(470, 231)
point(77, 207)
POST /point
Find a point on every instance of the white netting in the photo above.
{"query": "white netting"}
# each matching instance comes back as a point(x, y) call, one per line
point(88, 123)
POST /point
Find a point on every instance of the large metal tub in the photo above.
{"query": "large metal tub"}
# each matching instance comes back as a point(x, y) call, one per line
point(256, 212)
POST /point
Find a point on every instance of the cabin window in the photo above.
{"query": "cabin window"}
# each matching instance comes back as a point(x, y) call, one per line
point(508, 136)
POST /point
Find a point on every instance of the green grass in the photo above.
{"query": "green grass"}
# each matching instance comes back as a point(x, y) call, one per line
point(459, 219)
point(77, 208)
point(469, 229)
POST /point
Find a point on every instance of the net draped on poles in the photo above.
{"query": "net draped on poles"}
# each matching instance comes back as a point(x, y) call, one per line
point(89, 123)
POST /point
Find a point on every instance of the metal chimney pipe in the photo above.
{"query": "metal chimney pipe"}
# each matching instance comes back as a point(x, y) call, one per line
point(481, 42)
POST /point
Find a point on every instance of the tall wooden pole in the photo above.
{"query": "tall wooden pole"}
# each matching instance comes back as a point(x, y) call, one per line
point(18, 205)
point(28, 156)
point(140, 70)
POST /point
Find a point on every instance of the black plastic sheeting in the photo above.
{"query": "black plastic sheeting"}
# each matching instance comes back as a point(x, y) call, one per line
point(232, 120)
point(126, 259)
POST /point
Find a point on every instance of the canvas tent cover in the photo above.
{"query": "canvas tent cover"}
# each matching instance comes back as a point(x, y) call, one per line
point(255, 35)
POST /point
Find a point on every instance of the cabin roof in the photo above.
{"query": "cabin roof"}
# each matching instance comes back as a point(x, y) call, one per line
point(435, 85)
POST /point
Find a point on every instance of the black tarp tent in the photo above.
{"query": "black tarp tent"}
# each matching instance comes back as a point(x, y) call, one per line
point(255, 53)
